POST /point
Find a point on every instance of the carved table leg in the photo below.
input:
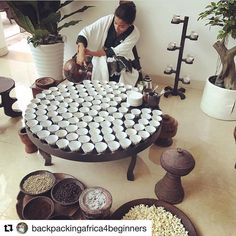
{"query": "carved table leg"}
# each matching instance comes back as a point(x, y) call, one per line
point(7, 103)
point(47, 157)
point(130, 173)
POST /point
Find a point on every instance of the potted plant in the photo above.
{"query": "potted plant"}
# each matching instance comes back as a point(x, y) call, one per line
point(219, 96)
point(43, 20)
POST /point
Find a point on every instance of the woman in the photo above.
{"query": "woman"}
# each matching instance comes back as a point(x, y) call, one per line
point(110, 41)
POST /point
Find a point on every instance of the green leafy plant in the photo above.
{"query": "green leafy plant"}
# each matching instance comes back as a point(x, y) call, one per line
point(223, 15)
point(42, 19)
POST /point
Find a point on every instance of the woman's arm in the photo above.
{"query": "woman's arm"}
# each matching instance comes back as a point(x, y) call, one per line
point(98, 53)
point(80, 58)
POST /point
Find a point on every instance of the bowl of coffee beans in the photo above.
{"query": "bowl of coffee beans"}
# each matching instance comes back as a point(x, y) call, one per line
point(37, 182)
point(38, 208)
point(67, 191)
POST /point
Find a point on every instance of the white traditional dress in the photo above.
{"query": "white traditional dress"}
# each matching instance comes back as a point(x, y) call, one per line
point(98, 36)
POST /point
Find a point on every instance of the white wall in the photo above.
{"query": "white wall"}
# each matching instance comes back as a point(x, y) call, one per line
point(153, 20)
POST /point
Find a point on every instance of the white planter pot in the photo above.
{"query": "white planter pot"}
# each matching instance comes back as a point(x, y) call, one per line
point(48, 60)
point(218, 102)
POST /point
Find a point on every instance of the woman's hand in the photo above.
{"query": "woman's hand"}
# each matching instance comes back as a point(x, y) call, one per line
point(80, 57)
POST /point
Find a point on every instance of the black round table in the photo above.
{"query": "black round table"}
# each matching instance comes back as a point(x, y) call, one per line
point(47, 150)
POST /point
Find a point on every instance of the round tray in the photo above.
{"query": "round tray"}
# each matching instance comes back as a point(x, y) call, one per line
point(122, 210)
point(72, 211)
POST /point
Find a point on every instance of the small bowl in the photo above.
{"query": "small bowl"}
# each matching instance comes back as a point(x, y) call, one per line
point(53, 128)
point(37, 182)
point(136, 112)
point(95, 203)
point(57, 119)
point(63, 124)
point(139, 127)
point(67, 191)
point(45, 82)
point(129, 116)
point(38, 208)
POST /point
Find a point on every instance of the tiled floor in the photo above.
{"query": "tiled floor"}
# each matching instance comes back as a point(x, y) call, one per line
point(210, 189)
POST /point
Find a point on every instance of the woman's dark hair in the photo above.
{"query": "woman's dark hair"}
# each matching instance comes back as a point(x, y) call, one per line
point(126, 11)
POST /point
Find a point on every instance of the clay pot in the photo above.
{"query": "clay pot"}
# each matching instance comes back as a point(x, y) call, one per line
point(29, 146)
point(76, 73)
point(168, 131)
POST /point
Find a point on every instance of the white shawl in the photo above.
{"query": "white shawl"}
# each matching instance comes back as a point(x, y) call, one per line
point(96, 34)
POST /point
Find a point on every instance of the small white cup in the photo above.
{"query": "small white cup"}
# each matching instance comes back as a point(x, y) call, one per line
point(31, 123)
point(71, 128)
point(129, 116)
point(67, 115)
point(107, 130)
point(61, 133)
point(135, 139)
point(118, 128)
point(62, 143)
point(51, 139)
point(139, 127)
point(96, 138)
point(129, 123)
point(100, 147)
point(136, 112)
point(154, 123)
point(53, 128)
point(113, 145)
point(42, 118)
point(150, 129)
point(87, 147)
point(36, 128)
point(109, 137)
point(42, 134)
point(57, 119)
point(74, 145)
point(63, 124)
point(131, 131)
point(121, 135)
point(71, 136)
point(46, 123)
point(144, 134)
point(157, 112)
point(84, 138)
point(82, 131)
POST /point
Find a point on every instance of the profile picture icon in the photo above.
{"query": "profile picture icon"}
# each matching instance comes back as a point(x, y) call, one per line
point(22, 227)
